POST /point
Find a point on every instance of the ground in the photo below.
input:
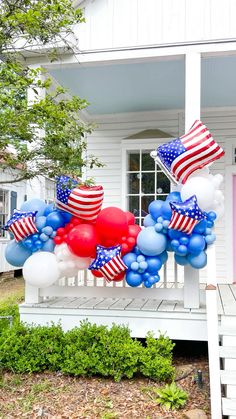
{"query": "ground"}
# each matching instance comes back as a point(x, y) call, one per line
point(55, 396)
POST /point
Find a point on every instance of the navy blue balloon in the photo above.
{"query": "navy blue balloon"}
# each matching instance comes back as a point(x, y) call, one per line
point(196, 244)
point(66, 216)
point(154, 264)
point(129, 258)
point(174, 234)
point(163, 257)
point(148, 221)
point(155, 208)
point(200, 227)
point(48, 246)
point(174, 197)
point(55, 220)
point(49, 208)
point(198, 261)
point(133, 279)
point(34, 205)
point(34, 237)
point(146, 276)
point(16, 254)
point(166, 210)
point(181, 260)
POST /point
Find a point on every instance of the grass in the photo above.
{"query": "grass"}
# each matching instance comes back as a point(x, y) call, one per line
point(12, 290)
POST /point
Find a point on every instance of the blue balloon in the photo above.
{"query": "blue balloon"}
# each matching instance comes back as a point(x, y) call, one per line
point(198, 261)
point(55, 220)
point(133, 279)
point(154, 264)
point(136, 250)
point(174, 197)
point(158, 227)
point(28, 243)
point(196, 244)
point(155, 208)
point(34, 237)
point(134, 266)
point(174, 234)
point(148, 221)
point(200, 227)
point(47, 230)
point(182, 250)
point(34, 205)
point(129, 258)
point(16, 254)
point(166, 210)
point(38, 244)
point(210, 238)
point(141, 258)
point(143, 265)
point(40, 222)
point(150, 242)
point(163, 257)
point(146, 276)
point(174, 244)
point(181, 260)
point(184, 240)
point(66, 216)
point(211, 216)
point(49, 208)
point(153, 279)
point(53, 234)
point(43, 237)
point(48, 246)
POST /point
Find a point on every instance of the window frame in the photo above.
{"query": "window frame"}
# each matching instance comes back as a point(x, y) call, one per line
point(4, 235)
point(139, 146)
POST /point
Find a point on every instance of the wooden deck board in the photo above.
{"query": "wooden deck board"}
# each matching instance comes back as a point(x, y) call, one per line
point(106, 304)
point(121, 303)
point(228, 299)
point(136, 304)
point(167, 305)
point(151, 305)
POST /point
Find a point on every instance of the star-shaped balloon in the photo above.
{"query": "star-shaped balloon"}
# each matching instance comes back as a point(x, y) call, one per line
point(108, 262)
point(22, 224)
point(185, 215)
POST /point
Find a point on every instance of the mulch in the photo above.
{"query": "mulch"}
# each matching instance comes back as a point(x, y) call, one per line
point(55, 396)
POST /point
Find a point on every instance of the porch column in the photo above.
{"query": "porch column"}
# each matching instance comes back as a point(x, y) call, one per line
point(192, 112)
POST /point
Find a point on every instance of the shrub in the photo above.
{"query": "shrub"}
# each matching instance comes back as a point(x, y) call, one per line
point(156, 358)
point(8, 307)
point(171, 397)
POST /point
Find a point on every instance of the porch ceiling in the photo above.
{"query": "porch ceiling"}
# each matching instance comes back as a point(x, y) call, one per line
point(148, 86)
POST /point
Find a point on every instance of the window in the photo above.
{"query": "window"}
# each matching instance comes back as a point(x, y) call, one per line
point(50, 188)
point(144, 182)
point(4, 210)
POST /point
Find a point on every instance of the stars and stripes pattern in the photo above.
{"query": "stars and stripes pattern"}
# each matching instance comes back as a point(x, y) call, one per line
point(183, 156)
point(22, 224)
point(185, 215)
point(108, 262)
point(81, 201)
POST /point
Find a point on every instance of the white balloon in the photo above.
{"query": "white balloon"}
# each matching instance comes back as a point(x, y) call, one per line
point(83, 263)
point(200, 172)
point(41, 269)
point(203, 188)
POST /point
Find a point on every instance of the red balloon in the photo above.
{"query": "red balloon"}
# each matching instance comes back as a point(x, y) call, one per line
point(97, 274)
point(119, 277)
point(82, 240)
point(124, 249)
point(133, 230)
point(131, 241)
point(58, 240)
point(68, 227)
point(60, 231)
point(130, 217)
point(76, 221)
point(111, 225)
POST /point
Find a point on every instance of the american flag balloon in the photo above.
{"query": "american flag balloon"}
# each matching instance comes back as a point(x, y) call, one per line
point(184, 155)
point(108, 262)
point(186, 215)
point(22, 224)
point(81, 201)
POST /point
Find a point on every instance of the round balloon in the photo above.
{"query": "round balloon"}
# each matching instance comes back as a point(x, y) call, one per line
point(133, 279)
point(203, 188)
point(82, 240)
point(55, 220)
point(199, 261)
point(41, 269)
point(16, 254)
point(150, 242)
point(34, 205)
point(130, 217)
point(111, 224)
point(155, 208)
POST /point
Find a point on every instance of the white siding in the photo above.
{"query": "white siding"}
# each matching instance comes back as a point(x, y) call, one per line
point(122, 23)
point(106, 141)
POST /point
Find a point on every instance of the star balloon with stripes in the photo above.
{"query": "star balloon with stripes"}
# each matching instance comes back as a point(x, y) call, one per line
point(108, 262)
point(22, 224)
point(186, 215)
point(190, 152)
point(82, 201)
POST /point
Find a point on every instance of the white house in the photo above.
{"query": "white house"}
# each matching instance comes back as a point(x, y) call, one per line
point(149, 68)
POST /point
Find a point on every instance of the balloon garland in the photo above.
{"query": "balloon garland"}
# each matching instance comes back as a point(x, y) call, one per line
point(54, 241)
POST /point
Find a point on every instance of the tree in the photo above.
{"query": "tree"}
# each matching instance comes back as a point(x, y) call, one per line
point(62, 146)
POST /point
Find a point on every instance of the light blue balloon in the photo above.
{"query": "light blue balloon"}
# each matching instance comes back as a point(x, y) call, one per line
point(134, 266)
point(34, 205)
point(210, 238)
point(150, 242)
point(155, 208)
point(199, 261)
point(53, 234)
point(16, 254)
point(40, 222)
point(141, 258)
point(129, 258)
point(158, 227)
point(148, 221)
point(133, 279)
point(174, 197)
point(143, 265)
point(48, 246)
point(47, 230)
point(43, 237)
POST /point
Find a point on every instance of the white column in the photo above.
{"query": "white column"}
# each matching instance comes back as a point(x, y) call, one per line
point(192, 112)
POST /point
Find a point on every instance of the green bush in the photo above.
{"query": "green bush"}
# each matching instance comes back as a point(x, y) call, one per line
point(8, 307)
point(156, 358)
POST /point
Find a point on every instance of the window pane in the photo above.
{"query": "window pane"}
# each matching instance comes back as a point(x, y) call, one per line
point(133, 205)
point(133, 180)
point(146, 200)
point(163, 183)
point(148, 162)
point(148, 183)
point(133, 161)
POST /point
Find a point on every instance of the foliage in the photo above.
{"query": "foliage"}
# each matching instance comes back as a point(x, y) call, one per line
point(8, 307)
point(43, 136)
point(87, 350)
point(156, 358)
point(171, 397)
